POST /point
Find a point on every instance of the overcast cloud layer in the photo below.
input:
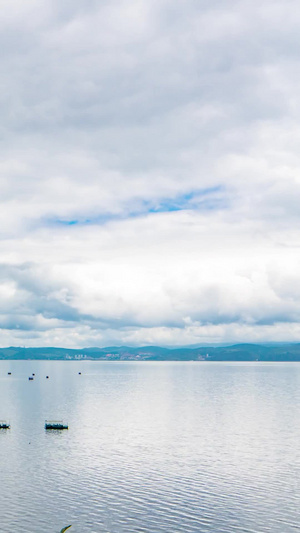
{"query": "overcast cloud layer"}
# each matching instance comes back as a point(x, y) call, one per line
point(150, 172)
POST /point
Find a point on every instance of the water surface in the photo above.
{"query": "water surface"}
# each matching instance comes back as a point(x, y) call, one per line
point(151, 447)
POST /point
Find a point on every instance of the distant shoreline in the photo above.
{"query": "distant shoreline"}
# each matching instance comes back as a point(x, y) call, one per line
point(275, 352)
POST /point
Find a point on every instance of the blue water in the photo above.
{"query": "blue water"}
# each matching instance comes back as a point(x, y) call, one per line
point(151, 447)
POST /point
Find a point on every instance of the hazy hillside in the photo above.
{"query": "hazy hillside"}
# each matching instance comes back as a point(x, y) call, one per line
point(237, 352)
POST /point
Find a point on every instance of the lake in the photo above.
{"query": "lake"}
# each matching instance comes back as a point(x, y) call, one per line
point(151, 447)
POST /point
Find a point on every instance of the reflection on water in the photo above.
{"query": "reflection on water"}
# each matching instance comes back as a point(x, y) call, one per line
point(151, 447)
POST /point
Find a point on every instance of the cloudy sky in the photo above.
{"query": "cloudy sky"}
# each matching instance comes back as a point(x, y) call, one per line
point(149, 171)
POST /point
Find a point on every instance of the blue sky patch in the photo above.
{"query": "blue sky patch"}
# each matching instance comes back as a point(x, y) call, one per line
point(208, 199)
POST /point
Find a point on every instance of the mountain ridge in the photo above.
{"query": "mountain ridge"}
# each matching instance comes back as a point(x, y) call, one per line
point(234, 352)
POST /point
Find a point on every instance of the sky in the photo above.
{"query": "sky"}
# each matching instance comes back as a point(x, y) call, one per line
point(149, 172)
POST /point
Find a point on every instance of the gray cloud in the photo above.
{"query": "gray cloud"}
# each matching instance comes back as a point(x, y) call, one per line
point(149, 171)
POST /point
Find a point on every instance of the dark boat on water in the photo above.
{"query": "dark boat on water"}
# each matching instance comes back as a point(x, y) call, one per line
point(30, 378)
point(55, 424)
point(4, 425)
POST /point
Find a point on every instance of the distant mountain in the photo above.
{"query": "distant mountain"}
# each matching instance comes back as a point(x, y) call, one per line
point(236, 352)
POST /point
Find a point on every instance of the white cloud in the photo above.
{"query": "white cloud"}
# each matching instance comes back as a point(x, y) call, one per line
point(149, 172)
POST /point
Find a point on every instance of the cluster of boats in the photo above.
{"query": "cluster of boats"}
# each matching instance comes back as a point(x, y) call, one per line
point(49, 424)
point(31, 378)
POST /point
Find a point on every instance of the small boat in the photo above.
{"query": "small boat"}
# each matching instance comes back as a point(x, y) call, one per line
point(55, 424)
point(33, 374)
point(79, 373)
point(30, 378)
point(4, 425)
point(47, 377)
point(9, 373)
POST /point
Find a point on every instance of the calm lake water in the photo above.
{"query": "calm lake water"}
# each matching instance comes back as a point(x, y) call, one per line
point(151, 447)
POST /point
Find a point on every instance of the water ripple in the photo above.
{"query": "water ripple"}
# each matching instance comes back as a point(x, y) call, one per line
point(151, 448)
